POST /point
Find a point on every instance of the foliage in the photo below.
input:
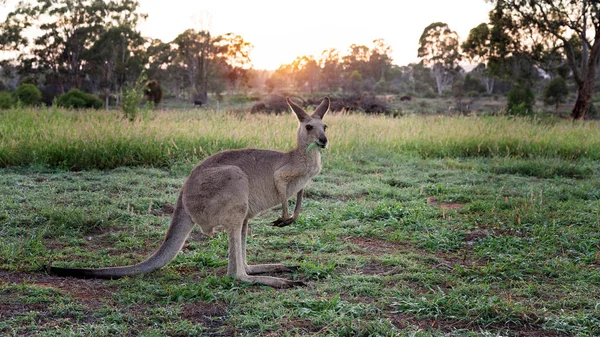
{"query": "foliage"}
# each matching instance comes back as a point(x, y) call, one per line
point(473, 84)
point(362, 68)
point(132, 97)
point(6, 100)
point(115, 58)
point(438, 49)
point(487, 44)
point(556, 92)
point(53, 37)
point(27, 94)
point(153, 92)
point(555, 32)
point(520, 100)
point(77, 99)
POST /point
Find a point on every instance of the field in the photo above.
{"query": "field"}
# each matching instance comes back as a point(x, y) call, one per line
point(417, 226)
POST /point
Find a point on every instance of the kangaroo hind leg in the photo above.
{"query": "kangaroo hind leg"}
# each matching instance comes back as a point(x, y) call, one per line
point(261, 268)
point(237, 268)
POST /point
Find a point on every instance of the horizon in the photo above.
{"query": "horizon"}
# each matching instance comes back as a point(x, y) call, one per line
point(280, 34)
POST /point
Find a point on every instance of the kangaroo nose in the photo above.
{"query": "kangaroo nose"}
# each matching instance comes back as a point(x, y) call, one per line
point(322, 141)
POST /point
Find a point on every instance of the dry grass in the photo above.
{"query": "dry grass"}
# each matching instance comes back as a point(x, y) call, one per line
point(103, 140)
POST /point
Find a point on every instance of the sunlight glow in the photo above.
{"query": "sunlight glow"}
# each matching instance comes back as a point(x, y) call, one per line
point(281, 31)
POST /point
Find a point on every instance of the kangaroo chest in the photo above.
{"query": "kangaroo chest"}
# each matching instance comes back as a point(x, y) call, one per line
point(302, 178)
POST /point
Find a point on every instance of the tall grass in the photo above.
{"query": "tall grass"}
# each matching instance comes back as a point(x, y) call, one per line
point(85, 139)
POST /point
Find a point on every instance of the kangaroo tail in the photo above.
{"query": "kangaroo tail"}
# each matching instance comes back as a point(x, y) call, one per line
point(180, 228)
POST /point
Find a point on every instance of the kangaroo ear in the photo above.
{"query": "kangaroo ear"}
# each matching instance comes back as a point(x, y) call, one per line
point(302, 116)
point(321, 109)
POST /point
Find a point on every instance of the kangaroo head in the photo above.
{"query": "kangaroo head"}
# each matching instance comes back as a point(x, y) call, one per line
point(311, 128)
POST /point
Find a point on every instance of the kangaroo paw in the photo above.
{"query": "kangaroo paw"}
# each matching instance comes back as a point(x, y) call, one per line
point(283, 222)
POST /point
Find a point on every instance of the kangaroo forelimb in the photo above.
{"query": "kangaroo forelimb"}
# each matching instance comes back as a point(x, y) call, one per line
point(284, 221)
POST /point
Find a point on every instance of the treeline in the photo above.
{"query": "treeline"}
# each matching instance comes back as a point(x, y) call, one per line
point(95, 46)
point(523, 51)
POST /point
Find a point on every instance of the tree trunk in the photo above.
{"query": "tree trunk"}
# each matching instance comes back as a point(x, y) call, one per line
point(584, 98)
point(586, 88)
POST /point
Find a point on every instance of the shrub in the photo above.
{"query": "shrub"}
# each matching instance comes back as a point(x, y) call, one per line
point(28, 94)
point(556, 92)
point(131, 99)
point(78, 99)
point(520, 100)
point(474, 84)
point(153, 92)
point(6, 100)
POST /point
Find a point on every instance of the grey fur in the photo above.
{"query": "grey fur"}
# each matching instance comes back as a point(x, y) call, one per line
point(227, 190)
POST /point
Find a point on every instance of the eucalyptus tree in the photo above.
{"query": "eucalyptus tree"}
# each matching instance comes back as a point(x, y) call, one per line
point(53, 36)
point(116, 59)
point(571, 27)
point(439, 50)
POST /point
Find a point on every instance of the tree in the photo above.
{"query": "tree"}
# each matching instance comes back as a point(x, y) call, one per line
point(556, 92)
point(520, 100)
point(438, 49)
point(115, 59)
point(61, 31)
point(574, 28)
point(306, 72)
point(191, 54)
point(479, 47)
point(330, 69)
point(234, 53)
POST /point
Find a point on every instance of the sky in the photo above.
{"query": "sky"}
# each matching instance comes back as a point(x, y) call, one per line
point(282, 30)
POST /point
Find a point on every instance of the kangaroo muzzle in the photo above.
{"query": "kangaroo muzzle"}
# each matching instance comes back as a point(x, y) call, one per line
point(322, 141)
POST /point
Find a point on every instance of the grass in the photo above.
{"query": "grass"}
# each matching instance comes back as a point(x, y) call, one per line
point(89, 139)
point(404, 233)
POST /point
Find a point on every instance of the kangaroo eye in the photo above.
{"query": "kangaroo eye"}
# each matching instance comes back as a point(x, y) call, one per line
point(309, 127)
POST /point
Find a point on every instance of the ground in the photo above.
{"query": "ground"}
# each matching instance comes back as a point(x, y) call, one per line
point(395, 245)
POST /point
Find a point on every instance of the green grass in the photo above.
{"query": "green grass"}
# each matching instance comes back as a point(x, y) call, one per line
point(98, 139)
point(395, 239)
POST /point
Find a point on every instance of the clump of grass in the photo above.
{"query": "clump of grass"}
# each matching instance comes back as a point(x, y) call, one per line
point(92, 139)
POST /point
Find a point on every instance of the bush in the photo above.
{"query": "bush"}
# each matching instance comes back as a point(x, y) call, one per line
point(130, 102)
point(520, 100)
point(473, 84)
point(78, 99)
point(6, 100)
point(28, 94)
point(556, 92)
point(153, 92)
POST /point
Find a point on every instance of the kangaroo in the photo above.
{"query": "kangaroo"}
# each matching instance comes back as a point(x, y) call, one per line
point(227, 190)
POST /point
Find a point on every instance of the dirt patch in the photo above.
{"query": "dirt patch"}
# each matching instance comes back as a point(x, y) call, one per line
point(78, 288)
point(404, 321)
point(210, 315)
point(475, 235)
point(445, 205)
point(374, 268)
point(166, 209)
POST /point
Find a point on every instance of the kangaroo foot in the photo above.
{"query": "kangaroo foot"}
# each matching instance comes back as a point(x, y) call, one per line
point(269, 268)
point(281, 222)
